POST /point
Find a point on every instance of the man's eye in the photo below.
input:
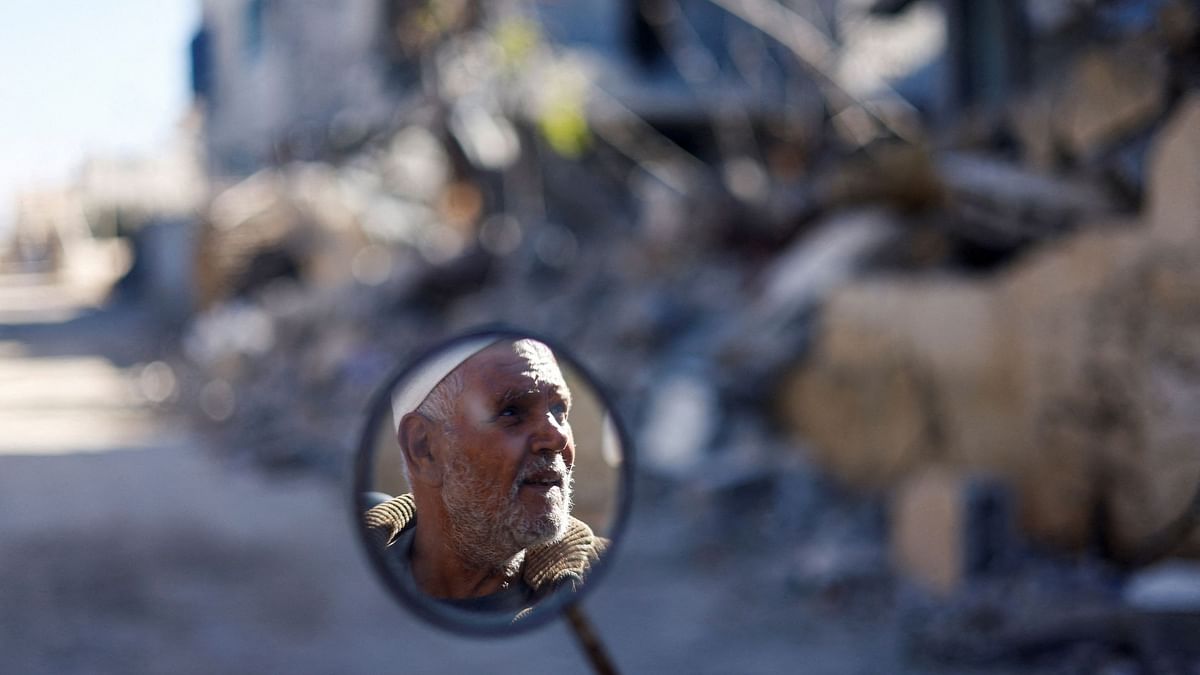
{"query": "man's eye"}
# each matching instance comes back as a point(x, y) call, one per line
point(559, 410)
point(509, 411)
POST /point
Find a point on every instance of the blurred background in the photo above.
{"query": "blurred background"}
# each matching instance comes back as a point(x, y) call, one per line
point(900, 300)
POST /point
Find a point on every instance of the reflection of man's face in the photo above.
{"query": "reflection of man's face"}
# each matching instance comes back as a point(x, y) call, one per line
point(508, 473)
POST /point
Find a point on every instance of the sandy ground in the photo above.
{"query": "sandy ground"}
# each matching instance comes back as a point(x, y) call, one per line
point(126, 547)
point(155, 560)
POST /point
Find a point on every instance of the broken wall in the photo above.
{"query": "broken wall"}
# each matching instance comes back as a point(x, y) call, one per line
point(1072, 376)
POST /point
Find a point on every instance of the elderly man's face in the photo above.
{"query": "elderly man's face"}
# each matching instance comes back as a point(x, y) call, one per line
point(508, 472)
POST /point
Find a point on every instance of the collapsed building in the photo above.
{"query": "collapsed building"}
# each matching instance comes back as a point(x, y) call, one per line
point(942, 251)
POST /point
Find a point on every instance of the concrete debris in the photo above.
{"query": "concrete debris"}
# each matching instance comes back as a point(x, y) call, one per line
point(890, 353)
point(901, 175)
point(1172, 586)
point(833, 567)
point(805, 272)
point(1032, 120)
point(1090, 637)
point(947, 527)
point(1048, 16)
point(1110, 93)
point(798, 280)
point(1065, 378)
point(1046, 376)
point(1174, 197)
point(906, 314)
point(1015, 204)
point(681, 421)
point(1178, 22)
point(1145, 344)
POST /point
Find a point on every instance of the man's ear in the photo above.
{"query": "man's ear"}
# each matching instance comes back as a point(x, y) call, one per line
point(416, 438)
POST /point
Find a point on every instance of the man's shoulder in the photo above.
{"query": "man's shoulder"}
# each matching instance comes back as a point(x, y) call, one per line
point(565, 561)
point(384, 522)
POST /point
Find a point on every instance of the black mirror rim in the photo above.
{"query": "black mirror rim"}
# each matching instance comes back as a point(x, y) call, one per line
point(380, 405)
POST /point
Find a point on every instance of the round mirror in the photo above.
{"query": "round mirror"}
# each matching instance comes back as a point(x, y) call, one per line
point(491, 482)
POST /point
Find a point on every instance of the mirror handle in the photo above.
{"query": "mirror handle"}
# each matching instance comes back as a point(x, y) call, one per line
point(589, 642)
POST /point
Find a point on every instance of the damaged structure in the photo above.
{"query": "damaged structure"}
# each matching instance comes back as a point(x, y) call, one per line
point(945, 252)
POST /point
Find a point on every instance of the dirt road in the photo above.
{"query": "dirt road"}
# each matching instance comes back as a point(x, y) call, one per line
point(126, 547)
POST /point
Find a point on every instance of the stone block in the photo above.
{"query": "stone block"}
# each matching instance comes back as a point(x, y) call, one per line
point(1032, 120)
point(1050, 301)
point(898, 367)
point(1072, 378)
point(946, 526)
point(1108, 94)
point(1173, 195)
point(1149, 352)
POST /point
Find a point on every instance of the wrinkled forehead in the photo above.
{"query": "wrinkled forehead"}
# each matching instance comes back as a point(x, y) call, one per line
point(520, 363)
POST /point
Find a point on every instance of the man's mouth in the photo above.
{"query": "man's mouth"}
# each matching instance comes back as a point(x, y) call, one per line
point(543, 481)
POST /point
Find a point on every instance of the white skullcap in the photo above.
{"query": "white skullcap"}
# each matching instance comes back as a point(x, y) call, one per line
point(417, 384)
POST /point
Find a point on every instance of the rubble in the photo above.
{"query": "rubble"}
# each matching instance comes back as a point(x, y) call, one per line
point(1053, 375)
point(907, 313)
point(1049, 302)
point(1178, 22)
point(1172, 586)
point(1032, 120)
point(1109, 94)
point(1113, 636)
point(1173, 200)
point(1042, 379)
point(1007, 203)
point(1147, 326)
point(681, 421)
point(947, 527)
point(890, 353)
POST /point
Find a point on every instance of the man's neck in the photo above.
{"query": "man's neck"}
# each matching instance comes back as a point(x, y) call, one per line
point(442, 572)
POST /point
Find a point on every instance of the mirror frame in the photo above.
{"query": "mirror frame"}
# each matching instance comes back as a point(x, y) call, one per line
point(380, 407)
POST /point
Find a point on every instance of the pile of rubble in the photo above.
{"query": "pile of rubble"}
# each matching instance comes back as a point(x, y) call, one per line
point(1070, 375)
point(996, 304)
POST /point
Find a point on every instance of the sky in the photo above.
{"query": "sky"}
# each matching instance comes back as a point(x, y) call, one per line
point(83, 77)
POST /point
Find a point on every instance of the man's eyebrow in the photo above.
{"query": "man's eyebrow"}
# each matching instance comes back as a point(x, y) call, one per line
point(563, 391)
point(515, 393)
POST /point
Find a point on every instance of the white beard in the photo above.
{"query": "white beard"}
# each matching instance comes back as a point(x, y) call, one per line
point(489, 528)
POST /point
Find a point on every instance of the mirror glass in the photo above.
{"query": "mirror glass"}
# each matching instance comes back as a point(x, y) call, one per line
point(491, 482)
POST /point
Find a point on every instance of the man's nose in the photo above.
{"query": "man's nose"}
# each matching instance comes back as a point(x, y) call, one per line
point(551, 435)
